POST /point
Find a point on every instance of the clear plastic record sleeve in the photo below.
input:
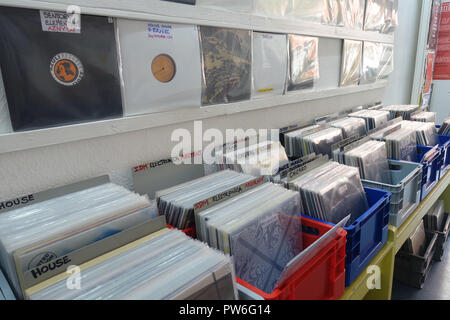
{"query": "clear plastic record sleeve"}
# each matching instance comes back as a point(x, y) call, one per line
point(270, 61)
point(303, 62)
point(272, 8)
point(226, 64)
point(386, 61)
point(352, 12)
point(240, 6)
point(375, 15)
point(58, 76)
point(351, 63)
point(307, 10)
point(165, 73)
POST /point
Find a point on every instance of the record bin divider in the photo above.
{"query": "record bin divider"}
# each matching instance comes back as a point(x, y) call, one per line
point(431, 169)
point(405, 187)
point(321, 278)
point(367, 235)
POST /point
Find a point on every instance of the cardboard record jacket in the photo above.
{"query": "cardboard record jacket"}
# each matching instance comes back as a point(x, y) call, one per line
point(58, 76)
point(165, 72)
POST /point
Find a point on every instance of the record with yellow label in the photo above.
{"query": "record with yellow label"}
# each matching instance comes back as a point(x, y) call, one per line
point(58, 68)
point(164, 73)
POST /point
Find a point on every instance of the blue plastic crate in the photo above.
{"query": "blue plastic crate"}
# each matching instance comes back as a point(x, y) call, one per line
point(444, 144)
point(431, 169)
point(404, 182)
point(367, 235)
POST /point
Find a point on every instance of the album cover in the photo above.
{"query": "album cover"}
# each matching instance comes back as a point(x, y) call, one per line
point(303, 62)
point(57, 71)
point(165, 73)
point(226, 64)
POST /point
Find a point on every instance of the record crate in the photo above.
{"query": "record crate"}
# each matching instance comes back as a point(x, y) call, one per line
point(322, 277)
point(367, 235)
point(404, 182)
point(444, 143)
point(431, 169)
point(442, 237)
point(413, 270)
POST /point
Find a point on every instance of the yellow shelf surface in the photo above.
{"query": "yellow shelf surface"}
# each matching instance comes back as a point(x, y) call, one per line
point(359, 289)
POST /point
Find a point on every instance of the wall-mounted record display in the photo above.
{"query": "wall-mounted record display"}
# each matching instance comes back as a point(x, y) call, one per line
point(269, 64)
point(303, 62)
point(226, 64)
point(57, 75)
point(165, 73)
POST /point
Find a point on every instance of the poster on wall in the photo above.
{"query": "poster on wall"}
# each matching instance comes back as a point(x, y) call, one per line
point(428, 72)
point(442, 65)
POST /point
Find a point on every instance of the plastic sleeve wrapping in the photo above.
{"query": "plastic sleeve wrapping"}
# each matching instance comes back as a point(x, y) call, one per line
point(386, 62)
point(390, 16)
point(352, 13)
point(351, 63)
point(332, 14)
point(272, 8)
point(226, 64)
point(307, 10)
point(303, 62)
point(58, 78)
point(5, 120)
point(375, 15)
point(270, 61)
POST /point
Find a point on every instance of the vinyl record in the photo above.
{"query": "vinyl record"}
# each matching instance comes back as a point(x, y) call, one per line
point(58, 76)
point(227, 60)
point(165, 73)
point(269, 64)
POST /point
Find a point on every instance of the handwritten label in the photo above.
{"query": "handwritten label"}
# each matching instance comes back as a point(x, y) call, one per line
point(159, 31)
point(60, 22)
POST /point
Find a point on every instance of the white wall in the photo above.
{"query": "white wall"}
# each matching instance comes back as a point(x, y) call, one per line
point(39, 169)
point(401, 81)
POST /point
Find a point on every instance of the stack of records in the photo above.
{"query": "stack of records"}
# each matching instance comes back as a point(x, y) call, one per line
point(404, 111)
point(322, 141)
point(435, 218)
point(445, 128)
point(260, 228)
point(351, 127)
point(293, 142)
point(371, 159)
point(380, 133)
point(177, 203)
point(167, 265)
point(374, 118)
point(416, 244)
point(69, 222)
point(331, 192)
point(56, 73)
point(425, 132)
point(424, 116)
point(402, 145)
point(263, 159)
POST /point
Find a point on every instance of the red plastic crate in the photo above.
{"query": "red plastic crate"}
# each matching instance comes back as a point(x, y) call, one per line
point(321, 278)
point(191, 232)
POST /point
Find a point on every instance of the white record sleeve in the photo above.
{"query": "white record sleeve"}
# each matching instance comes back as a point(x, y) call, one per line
point(270, 63)
point(161, 66)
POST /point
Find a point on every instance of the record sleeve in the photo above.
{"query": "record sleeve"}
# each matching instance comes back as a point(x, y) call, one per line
point(303, 62)
point(273, 8)
point(269, 65)
point(240, 6)
point(165, 73)
point(226, 64)
point(352, 12)
point(58, 76)
point(371, 61)
point(375, 15)
point(351, 63)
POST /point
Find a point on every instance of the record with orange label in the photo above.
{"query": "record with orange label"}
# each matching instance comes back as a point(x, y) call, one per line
point(58, 70)
point(165, 73)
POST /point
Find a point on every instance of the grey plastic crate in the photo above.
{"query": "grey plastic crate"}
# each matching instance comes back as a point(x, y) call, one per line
point(404, 181)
